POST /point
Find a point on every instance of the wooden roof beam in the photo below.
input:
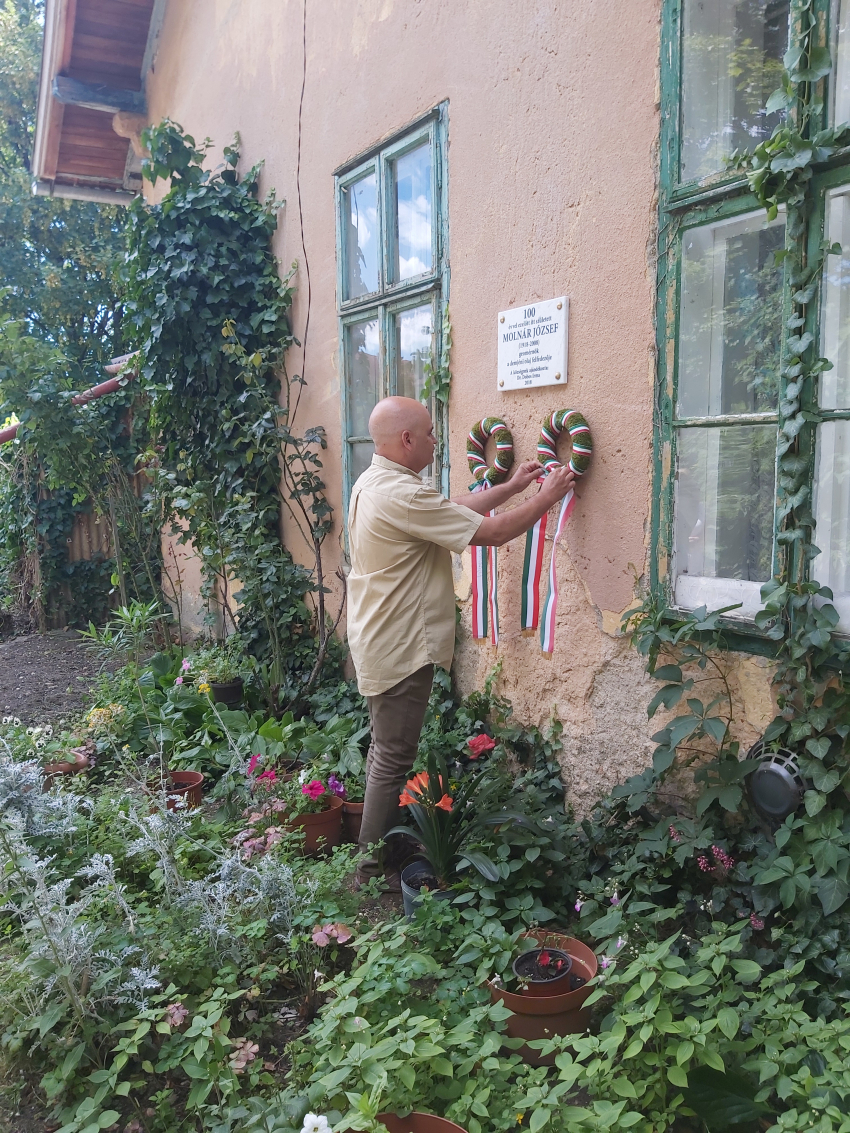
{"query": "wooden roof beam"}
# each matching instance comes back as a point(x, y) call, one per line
point(97, 96)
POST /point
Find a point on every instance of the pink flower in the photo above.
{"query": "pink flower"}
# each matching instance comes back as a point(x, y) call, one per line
point(187, 665)
point(269, 776)
point(703, 863)
point(722, 858)
point(179, 681)
point(604, 962)
point(175, 1013)
point(479, 744)
point(675, 835)
point(756, 922)
point(615, 900)
point(578, 906)
point(320, 937)
point(252, 765)
point(314, 789)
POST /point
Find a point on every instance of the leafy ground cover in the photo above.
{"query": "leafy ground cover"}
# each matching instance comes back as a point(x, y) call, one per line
point(169, 969)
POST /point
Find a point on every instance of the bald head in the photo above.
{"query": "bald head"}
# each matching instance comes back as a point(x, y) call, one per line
point(402, 431)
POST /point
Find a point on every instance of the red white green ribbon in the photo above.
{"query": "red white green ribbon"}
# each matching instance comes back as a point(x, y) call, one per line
point(550, 606)
point(532, 571)
point(485, 607)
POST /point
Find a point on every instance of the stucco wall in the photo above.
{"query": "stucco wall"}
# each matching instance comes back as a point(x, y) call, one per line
point(553, 126)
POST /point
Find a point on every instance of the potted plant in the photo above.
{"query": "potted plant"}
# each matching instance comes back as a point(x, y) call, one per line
point(220, 667)
point(339, 746)
point(541, 1011)
point(445, 821)
point(310, 804)
point(543, 971)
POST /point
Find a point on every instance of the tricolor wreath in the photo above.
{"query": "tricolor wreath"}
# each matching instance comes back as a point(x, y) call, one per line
point(484, 558)
point(582, 447)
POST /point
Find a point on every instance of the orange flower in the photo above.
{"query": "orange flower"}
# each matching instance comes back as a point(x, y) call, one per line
point(406, 799)
point(445, 803)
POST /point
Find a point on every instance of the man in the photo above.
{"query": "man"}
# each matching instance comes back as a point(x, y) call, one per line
point(401, 600)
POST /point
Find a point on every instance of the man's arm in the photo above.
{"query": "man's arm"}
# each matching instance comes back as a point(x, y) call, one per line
point(496, 530)
point(491, 498)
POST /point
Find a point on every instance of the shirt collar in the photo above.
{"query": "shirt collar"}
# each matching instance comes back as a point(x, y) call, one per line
point(382, 462)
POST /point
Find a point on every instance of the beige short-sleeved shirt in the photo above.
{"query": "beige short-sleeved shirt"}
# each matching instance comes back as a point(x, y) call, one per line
point(401, 599)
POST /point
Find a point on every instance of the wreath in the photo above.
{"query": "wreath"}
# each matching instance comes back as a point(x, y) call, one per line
point(478, 436)
point(582, 444)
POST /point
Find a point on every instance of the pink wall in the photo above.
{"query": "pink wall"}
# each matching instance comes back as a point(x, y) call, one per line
point(553, 125)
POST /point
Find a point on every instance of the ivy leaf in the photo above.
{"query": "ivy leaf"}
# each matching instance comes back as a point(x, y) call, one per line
point(833, 892)
point(819, 748)
point(819, 64)
point(779, 100)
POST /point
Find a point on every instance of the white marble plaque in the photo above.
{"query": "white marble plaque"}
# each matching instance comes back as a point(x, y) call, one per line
point(533, 345)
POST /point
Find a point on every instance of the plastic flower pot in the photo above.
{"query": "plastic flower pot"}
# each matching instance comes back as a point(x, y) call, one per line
point(228, 693)
point(53, 771)
point(527, 968)
point(188, 785)
point(419, 1123)
point(352, 818)
point(322, 831)
point(413, 877)
point(542, 1016)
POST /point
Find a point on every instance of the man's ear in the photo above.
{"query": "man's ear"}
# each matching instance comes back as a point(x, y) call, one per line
point(405, 438)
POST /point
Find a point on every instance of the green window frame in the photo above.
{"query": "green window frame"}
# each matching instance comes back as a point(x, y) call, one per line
point(693, 211)
point(388, 284)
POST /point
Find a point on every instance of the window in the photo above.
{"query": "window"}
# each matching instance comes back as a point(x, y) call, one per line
point(723, 315)
point(392, 281)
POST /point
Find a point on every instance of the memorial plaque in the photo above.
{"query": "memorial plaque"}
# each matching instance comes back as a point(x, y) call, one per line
point(533, 345)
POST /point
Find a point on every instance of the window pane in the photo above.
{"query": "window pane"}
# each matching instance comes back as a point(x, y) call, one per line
point(414, 337)
point(412, 178)
point(364, 374)
point(841, 53)
point(360, 223)
point(730, 321)
point(724, 502)
point(832, 506)
point(835, 383)
point(731, 63)
point(361, 458)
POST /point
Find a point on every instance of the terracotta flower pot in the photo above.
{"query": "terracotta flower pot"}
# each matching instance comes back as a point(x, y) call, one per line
point(53, 771)
point(419, 1123)
point(228, 693)
point(352, 817)
point(542, 1016)
point(322, 831)
point(187, 785)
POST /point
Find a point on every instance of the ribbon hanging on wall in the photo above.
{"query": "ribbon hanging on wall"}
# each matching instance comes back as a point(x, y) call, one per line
point(582, 447)
point(485, 606)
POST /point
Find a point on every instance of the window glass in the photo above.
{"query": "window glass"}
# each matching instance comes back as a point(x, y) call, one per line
point(841, 54)
point(360, 221)
point(730, 318)
point(413, 209)
point(414, 332)
point(364, 374)
point(832, 507)
point(361, 457)
point(731, 63)
point(724, 502)
point(835, 383)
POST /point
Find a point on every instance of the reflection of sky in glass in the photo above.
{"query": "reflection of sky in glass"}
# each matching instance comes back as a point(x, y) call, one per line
point(413, 212)
point(364, 375)
point(414, 340)
point(360, 213)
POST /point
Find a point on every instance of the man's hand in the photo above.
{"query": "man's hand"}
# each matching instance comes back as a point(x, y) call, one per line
point(526, 473)
point(557, 483)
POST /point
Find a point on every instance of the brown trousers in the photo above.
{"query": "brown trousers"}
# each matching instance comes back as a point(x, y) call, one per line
point(396, 717)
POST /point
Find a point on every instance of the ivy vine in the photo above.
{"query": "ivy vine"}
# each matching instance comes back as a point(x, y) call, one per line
point(211, 314)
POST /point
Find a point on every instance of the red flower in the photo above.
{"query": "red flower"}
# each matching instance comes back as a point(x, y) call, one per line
point(479, 744)
point(445, 803)
point(269, 776)
point(314, 788)
point(543, 959)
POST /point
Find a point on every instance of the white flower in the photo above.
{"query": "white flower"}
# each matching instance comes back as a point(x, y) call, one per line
point(302, 778)
point(315, 1123)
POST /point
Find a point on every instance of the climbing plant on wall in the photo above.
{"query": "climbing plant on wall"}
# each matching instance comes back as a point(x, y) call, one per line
point(211, 318)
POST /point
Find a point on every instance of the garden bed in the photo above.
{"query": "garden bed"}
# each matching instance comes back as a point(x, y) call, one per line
point(45, 677)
